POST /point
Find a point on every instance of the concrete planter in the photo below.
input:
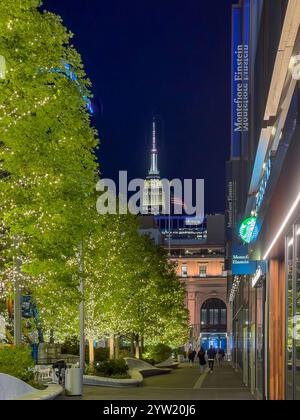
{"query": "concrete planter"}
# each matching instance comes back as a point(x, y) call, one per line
point(138, 370)
point(12, 388)
point(136, 380)
point(168, 364)
point(50, 393)
point(145, 368)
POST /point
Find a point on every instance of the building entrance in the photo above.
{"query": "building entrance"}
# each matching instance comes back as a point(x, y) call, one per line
point(216, 340)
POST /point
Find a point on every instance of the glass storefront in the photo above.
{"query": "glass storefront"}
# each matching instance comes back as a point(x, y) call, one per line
point(260, 308)
point(293, 313)
point(248, 334)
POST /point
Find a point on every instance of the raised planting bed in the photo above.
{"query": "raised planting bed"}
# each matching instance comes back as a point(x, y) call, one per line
point(136, 380)
point(168, 364)
point(145, 368)
point(12, 388)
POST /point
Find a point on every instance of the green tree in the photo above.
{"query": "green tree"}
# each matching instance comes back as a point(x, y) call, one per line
point(48, 166)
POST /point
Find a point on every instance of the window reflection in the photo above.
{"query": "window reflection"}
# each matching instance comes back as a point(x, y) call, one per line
point(297, 315)
point(289, 267)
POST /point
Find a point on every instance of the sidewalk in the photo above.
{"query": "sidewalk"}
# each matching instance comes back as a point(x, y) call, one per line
point(184, 383)
point(224, 384)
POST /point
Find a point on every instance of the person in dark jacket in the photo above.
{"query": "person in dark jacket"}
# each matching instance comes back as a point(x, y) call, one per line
point(211, 355)
point(221, 356)
point(191, 356)
point(202, 360)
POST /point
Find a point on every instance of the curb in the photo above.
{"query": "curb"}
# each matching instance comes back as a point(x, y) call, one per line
point(50, 393)
point(135, 381)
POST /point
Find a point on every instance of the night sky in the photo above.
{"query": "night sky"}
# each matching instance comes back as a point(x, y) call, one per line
point(170, 58)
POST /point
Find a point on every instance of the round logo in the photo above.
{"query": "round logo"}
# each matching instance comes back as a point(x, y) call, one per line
point(248, 230)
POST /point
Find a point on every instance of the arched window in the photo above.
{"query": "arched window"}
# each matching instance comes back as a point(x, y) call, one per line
point(214, 316)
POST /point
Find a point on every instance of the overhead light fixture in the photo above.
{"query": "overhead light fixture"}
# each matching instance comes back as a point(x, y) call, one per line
point(283, 226)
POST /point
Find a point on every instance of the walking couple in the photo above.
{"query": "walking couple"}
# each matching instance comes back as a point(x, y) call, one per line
point(211, 357)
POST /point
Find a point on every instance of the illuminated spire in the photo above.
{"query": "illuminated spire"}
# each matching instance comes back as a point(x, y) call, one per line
point(154, 154)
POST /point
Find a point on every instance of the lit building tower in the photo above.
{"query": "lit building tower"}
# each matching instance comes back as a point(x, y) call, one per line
point(153, 195)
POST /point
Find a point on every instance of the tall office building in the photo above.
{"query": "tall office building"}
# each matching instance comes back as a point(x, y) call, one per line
point(153, 193)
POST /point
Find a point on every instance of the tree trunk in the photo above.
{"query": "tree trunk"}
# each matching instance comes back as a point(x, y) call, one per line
point(17, 301)
point(142, 346)
point(132, 349)
point(137, 347)
point(117, 347)
point(91, 352)
point(112, 347)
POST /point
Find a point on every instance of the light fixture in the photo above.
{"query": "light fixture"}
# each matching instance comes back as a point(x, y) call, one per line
point(284, 223)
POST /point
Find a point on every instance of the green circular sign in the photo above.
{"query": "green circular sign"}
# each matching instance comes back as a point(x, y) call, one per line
point(248, 229)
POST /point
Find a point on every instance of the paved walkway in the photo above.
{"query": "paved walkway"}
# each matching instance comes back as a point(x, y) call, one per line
point(184, 383)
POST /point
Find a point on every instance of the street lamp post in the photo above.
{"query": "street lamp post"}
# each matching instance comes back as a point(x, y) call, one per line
point(17, 299)
point(81, 310)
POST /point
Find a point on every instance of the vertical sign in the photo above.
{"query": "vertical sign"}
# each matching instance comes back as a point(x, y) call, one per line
point(240, 78)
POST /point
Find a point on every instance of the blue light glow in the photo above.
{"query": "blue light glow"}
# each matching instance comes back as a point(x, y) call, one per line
point(72, 76)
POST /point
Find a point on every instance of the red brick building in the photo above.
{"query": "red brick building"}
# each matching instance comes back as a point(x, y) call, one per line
point(201, 267)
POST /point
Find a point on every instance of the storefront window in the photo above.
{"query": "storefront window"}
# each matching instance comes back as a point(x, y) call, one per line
point(293, 301)
point(290, 298)
point(297, 315)
point(260, 343)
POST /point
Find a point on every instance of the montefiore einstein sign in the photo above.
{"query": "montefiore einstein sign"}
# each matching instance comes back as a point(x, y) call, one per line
point(241, 89)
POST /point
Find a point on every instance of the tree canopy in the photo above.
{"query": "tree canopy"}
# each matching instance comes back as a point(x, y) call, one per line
point(48, 173)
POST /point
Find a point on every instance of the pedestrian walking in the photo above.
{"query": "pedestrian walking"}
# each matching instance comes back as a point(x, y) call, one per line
point(202, 360)
point(211, 355)
point(191, 356)
point(221, 356)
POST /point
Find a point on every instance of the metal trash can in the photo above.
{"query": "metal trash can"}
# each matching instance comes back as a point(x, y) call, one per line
point(73, 381)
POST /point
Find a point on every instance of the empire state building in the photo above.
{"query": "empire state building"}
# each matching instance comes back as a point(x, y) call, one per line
point(153, 194)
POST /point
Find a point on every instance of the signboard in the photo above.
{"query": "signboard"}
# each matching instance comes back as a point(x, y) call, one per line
point(241, 263)
point(240, 78)
point(243, 266)
point(248, 231)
